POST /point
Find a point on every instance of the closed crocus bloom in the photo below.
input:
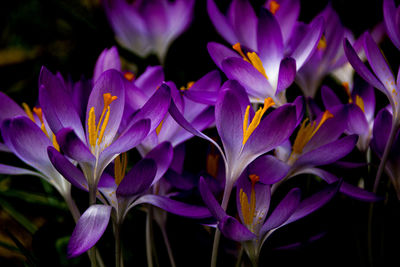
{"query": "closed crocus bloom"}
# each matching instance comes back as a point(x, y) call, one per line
point(148, 27)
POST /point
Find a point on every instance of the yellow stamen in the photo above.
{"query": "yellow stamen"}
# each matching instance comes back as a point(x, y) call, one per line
point(322, 43)
point(360, 102)
point(307, 131)
point(247, 131)
point(103, 126)
point(237, 47)
point(347, 89)
point(28, 111)
point(188, 86)
point(120, 164)
point(55, 144)
point(129, 76)
point(212, 164)
point(39, 113)
point(245, 207)
point(256, 62)
point(249, 209)
point(274, 6)
point(92, 127)
point(158, 129)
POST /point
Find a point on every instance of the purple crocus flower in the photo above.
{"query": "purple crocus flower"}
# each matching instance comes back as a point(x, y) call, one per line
point(121, 193)
point(145, 27)
point(256, 223)
point(267, 69)
point(390, 15)
point(361, 109)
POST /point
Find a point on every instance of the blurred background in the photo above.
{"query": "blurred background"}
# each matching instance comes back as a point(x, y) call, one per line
point(68, 36)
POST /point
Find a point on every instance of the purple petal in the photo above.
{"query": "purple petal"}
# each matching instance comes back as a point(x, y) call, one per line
point(162, 156)
point(328, 153)
point(175, 207)
point(89, 229)
point(283, 211)
point(245, 29)
point(210, 201)
point(329, 98)
point(357, 123)
point(219, 53)
point(138, 179)
point(108, 59)
point(233, 229)
point(150, 80)
point(360, 68)
point(8, 108)
point(381, 131)
point(378, 63)
point(287, 73)
point(269, 169)
point(67, 169)
point(111, 82)
point(367, 94)
point(11, 170)
point(316, 201)
point(248, 76)
point(221, 24)
point(73, 147)
point(272, 131)
point(389, 15)
point(57, 104)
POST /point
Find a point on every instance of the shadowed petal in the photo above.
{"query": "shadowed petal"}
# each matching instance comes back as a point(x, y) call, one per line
point(8, 108)
point(269, 169)
point(89, 229)
point(221, 24)
point(162, 156)
point(108, 59)
point(73, 147)
point(233, 229)
point(11, 170)
point(389, 15)
point(210, 201)
point(329, 98)
point(150, 79)
point(287, 73)
point(219, 53)
point(381, 131)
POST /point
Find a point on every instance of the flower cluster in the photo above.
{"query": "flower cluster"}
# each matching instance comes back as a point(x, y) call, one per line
point(258, 137)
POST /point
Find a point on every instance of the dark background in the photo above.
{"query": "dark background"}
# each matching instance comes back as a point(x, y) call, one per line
point(68, 36)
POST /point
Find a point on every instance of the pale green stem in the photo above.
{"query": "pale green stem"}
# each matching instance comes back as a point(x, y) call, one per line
point(149, 230)
point(167, 244)
point(240, 257)
point(118, 251)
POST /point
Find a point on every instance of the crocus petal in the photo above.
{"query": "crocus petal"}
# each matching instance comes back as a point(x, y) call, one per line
point(283, 211)
point(357, 123)
point(73, 147)
point(219, 53)
point(11, 170)
point(174, 207)
point(210, 201)
point(287, 73)
point(108, 59)
point(28, 142)
point(272, 131)
point(67, 169)
point(309, 42)
point(270, 44)
point(221, 24)
point(328, 153)
point(57, 104)
point(8, 108)
point(233, 229)
point(89, 229)
point(155, 108)
point(329, 98)
point(269, 169)
point(381, 131)
point(130, 138)
point(314, 202)
point(360, 68)
point(248, 76)
point(162, 156)
point(245, 29)
point(367, 94)
point(389, 15)
point(346, 188)
point(150, 79)
point(378, 63)
point(138, 179)
point(110, 82)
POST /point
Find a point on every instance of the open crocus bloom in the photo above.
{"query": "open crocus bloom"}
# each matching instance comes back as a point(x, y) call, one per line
point(121, 193)
point(256, 223)
point(103, 138)
point(146, 27)
point(267, 69)
point(244, 133)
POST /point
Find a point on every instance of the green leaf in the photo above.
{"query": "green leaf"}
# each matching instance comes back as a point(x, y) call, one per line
point(21, 219)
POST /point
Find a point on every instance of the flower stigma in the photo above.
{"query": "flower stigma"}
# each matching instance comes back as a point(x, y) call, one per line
point(248, 129)
point(274, 6)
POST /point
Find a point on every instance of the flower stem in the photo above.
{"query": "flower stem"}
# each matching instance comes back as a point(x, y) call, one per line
point(167, 244)
point(240, 257)
point(385, 156)
point(217, 235)
point(118, 251)
point(149, 238)
point(72, 207)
